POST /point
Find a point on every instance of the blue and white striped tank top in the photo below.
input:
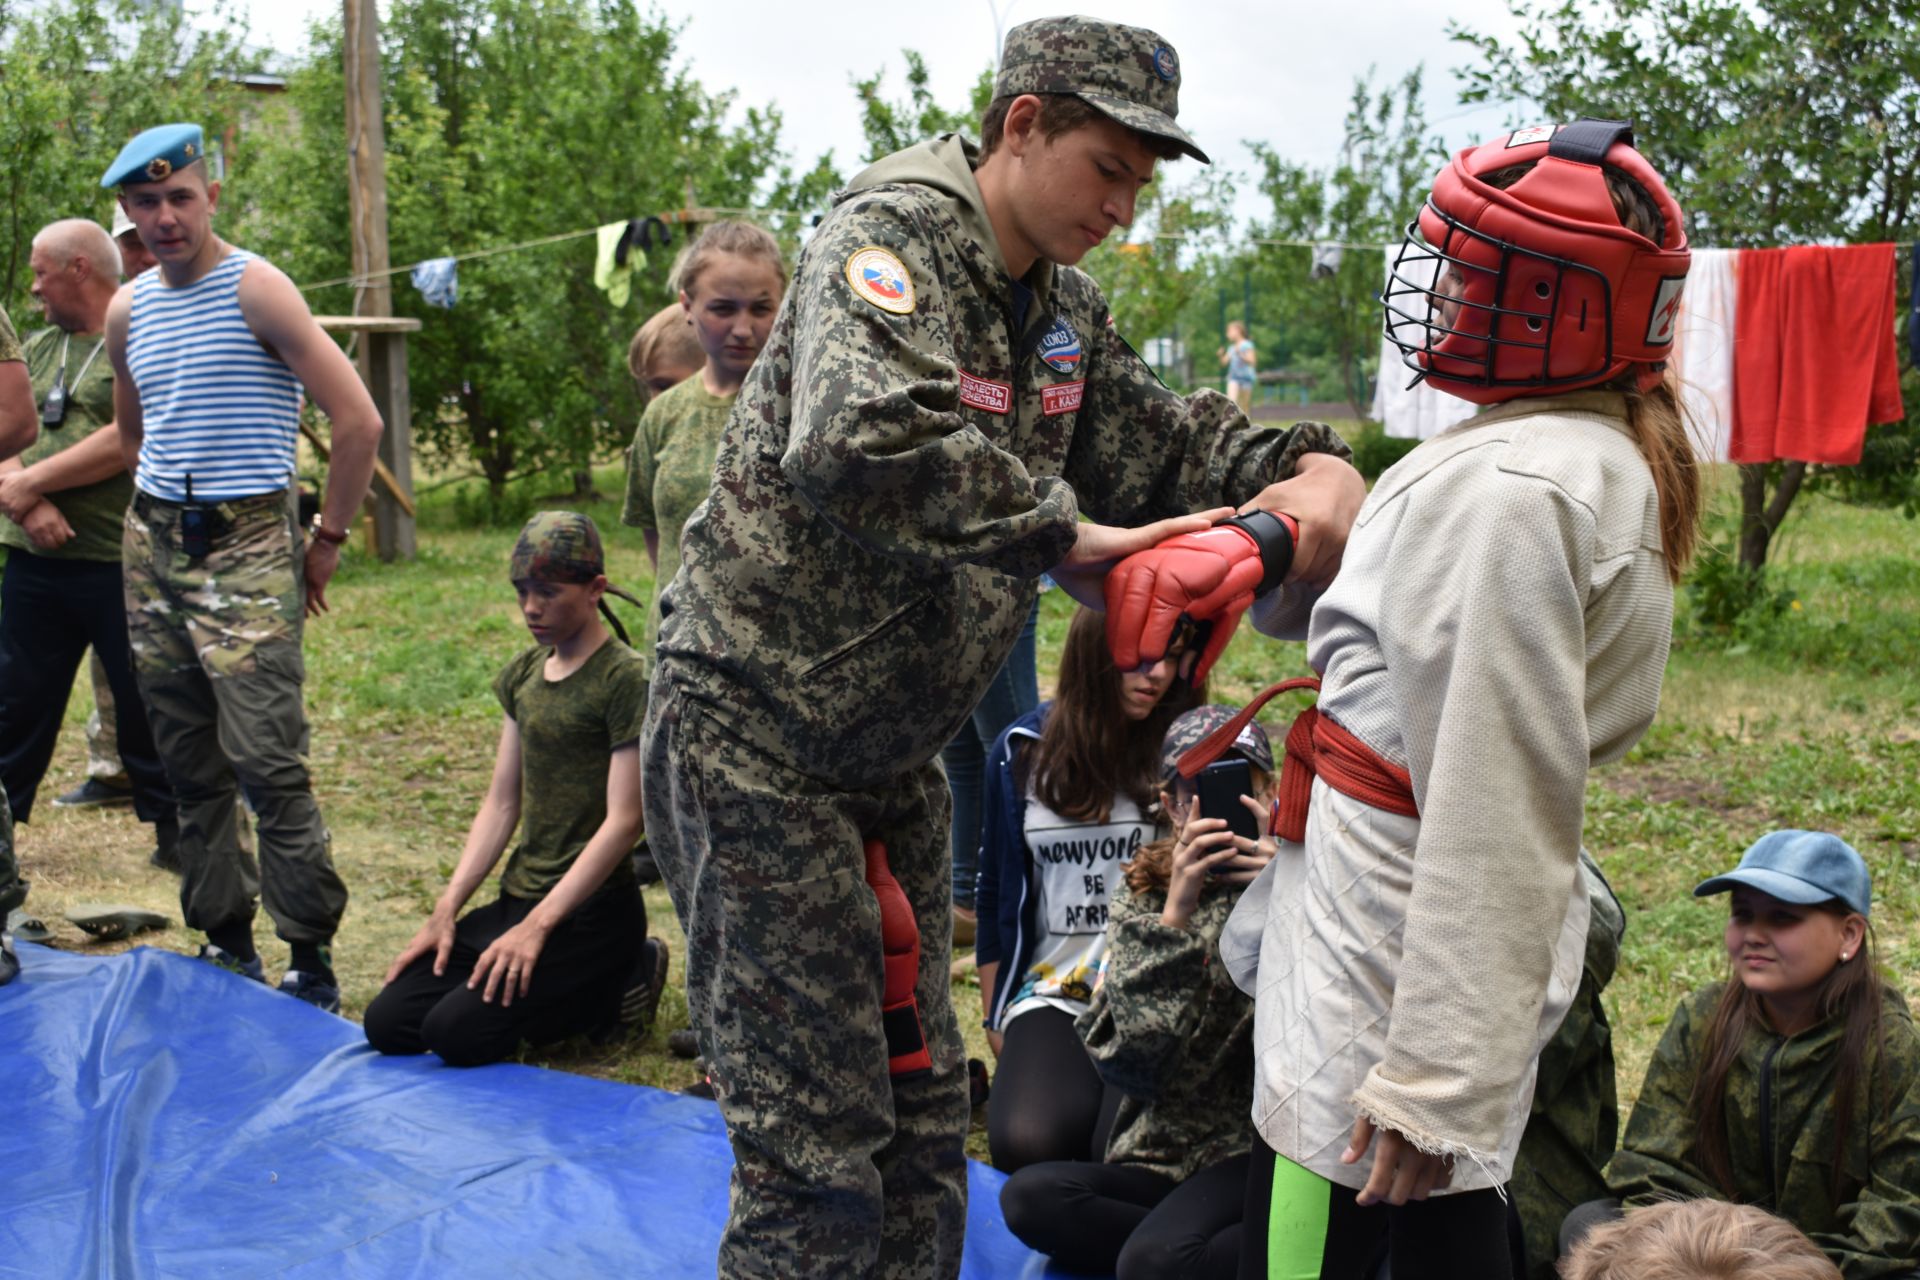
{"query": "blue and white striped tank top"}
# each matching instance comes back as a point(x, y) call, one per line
point(213, 404)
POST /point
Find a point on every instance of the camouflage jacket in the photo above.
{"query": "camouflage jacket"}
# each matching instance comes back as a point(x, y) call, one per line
point(1168, 1028)
point(1780, 1134)
point(1575, 1121)
point(902, 465)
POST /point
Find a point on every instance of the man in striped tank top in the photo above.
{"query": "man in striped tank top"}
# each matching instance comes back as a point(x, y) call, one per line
point(210, 353)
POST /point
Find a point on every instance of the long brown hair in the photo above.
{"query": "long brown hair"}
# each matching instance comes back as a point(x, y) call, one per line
point(1152, 866)
point(1089, 749)
point(1656, 417)
point(1853, 990)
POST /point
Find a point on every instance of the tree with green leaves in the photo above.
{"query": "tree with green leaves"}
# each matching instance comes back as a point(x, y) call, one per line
point(80, 77)
point(1387, 161)
point(509, 121)
point(894, 126)
point(1773, 121)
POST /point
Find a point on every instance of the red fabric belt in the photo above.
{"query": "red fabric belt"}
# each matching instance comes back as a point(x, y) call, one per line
point(1316, 747)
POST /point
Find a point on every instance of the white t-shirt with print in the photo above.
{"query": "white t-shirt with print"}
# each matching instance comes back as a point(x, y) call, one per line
point(1072, 867)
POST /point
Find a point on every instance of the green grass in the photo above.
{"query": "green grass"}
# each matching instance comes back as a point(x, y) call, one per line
point(1807, 717)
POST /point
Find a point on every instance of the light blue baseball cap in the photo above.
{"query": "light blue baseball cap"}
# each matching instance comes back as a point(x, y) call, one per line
point(155, 154)
point(1802, 867)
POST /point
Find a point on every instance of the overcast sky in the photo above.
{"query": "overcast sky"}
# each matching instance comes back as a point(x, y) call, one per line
point(1261, 69)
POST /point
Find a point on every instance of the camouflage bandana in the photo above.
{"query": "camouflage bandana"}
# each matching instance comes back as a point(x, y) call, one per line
point(1128, 73)
point(558, 546)
point(1192, 726)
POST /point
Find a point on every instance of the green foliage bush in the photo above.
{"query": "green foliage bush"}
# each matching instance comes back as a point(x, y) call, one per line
point(1374, 450)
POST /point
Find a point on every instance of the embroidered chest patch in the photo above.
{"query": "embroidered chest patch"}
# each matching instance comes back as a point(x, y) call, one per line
point(879, 277)
point(1062, 397)
point(1060, 348)
point(985, 393)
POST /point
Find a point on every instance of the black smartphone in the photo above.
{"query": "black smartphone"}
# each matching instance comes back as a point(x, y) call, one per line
point(1220, 786)
point(196, 533)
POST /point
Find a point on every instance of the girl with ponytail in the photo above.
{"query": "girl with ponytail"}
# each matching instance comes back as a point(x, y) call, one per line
point(1499, 625)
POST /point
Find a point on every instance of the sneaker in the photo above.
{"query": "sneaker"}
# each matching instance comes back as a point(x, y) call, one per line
point(9, 962)
point(315, 990)
point(224, 959)
point(166, 850)
point(94, 794)
point(701, 1088)
point(112, 921)
point(683, 1043)
point(641, 999)
point(27, 928)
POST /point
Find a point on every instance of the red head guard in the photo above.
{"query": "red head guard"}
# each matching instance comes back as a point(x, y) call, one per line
point(1502, 293)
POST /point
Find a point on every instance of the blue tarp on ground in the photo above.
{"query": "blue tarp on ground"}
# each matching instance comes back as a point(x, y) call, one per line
point(165, 1118)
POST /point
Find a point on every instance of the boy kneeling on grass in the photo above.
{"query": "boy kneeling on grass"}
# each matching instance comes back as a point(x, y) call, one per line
point(564, 948)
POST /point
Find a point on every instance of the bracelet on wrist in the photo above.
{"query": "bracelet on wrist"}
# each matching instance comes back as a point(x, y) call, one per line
point(334, 536)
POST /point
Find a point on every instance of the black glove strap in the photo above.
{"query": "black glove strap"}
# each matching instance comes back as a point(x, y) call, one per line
point(1269, 533)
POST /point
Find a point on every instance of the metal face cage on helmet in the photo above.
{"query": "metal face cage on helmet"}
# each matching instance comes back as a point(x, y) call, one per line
point(1498, 293)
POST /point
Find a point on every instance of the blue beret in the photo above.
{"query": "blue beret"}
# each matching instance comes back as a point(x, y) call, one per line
point(155, 154)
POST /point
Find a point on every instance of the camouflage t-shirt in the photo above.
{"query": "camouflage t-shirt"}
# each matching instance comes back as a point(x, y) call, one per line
point(9, 344)
point(95, 511)
point(670, 469)
point(568, 730)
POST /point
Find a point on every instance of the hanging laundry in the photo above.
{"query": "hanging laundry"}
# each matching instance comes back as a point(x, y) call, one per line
point(1411, 413)
point(1913, 316)
point(438, 280)
point(1326, 261)
point(614, 259)
point(1703, 350)
point(1815, 362)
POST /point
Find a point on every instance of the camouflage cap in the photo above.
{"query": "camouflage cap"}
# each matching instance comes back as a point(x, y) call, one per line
point(1192, 726)
point(1128, 73)
point(558, 546)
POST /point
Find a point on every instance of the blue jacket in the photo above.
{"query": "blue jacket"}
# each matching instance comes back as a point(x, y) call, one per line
point(1004, 898)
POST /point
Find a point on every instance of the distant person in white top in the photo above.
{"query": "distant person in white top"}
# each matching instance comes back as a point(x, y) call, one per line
point(210, 353)
point(1237, 359)
point(1499, 625)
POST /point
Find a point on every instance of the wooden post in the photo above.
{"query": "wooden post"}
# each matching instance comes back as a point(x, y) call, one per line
point(383, 353)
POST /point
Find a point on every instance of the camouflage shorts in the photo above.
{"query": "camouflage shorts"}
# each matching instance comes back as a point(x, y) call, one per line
point(216, 612)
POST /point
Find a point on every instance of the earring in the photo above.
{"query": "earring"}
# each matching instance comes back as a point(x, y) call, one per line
point(1845, 956)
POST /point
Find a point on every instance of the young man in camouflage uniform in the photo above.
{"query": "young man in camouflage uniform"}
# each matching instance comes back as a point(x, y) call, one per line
point(19, 427)
point(941, 398)
point(217, 584)
point(64, 501)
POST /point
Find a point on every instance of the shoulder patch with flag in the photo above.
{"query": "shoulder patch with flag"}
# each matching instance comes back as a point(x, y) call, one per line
point(879, 277)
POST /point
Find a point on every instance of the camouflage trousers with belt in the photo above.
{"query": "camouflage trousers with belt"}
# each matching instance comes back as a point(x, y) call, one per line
point(839, 1169)
point(216, 648)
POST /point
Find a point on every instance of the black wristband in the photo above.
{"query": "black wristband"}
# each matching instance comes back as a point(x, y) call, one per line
point(1269, 533)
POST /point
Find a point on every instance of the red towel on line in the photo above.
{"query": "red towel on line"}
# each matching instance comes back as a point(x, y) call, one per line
point(1813, 362)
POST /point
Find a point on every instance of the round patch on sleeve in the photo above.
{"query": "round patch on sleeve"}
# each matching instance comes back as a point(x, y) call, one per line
point(878, 276)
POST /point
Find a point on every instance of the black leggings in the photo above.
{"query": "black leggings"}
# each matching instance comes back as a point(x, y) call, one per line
point(1048, 1101)
point(1133, 1222)
point(587, 962)
point(1328, 1235)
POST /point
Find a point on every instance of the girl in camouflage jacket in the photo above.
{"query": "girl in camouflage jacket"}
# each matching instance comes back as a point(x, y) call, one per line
point(1795, 1086)
point(1172, 1038)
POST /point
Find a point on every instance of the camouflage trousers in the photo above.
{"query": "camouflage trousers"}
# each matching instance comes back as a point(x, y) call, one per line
point(1572, 1130)
point(216, 647)
point(13, 890)
point(103, 743)
point(839, 1170)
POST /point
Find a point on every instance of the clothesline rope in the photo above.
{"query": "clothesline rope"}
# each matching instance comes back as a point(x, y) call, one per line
point(362, 281)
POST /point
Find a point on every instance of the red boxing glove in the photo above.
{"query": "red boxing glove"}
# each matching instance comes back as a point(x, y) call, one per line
point(1211, 576)
point(900, 955)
